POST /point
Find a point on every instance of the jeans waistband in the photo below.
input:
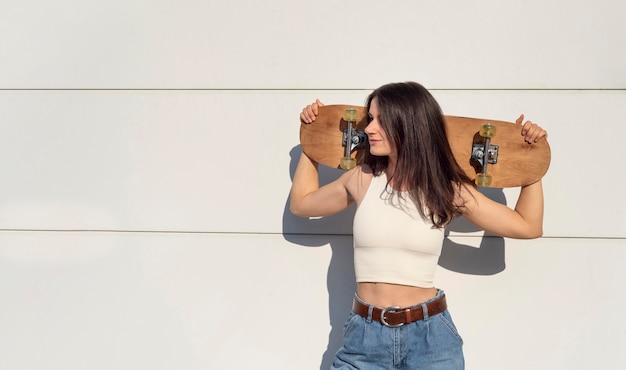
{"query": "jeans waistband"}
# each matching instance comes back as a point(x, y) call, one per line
point(396, 316)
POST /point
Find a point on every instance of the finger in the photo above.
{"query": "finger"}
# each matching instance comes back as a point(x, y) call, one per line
point(309, 112)
point(527, 127)
point(316, 106)
point(528, 131)
point(314, 109)
point(533, 132)
point(538, 134)
point(520, 119)
point(305, 115)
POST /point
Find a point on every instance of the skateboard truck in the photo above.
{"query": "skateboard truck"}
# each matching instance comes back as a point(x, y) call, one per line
point(485, 153)
point(352, 139)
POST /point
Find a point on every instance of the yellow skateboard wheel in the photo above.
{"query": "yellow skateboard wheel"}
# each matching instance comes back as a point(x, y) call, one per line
point(488, 130)
point(350, 115)
point(347, 163)
point(483, 180)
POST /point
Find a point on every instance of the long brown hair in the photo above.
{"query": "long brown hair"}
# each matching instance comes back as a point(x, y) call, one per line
point(426, 168)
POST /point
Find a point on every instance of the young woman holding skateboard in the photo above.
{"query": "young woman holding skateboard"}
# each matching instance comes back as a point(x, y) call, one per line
point(407, 188)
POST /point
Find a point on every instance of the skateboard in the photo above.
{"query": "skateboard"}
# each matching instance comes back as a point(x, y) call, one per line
point(491, 152)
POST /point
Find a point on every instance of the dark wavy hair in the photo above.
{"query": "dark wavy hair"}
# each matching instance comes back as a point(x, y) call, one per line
point(426, 167)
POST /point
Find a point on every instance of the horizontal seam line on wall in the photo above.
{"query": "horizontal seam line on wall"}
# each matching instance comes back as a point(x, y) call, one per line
point(119, 231)
point(112, 231)
point(311, 89)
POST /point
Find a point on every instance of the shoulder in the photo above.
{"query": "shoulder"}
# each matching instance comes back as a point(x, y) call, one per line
point(466, 197)
point(472, 202)
point(358, 176)
point(357, 181)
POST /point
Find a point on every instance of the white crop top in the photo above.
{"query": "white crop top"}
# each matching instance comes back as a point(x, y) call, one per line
point(392, 242)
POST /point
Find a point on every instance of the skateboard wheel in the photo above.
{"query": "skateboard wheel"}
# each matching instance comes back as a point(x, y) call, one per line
point(347, 163)
point(483, 180)
point(350, 115)
point(488, 130)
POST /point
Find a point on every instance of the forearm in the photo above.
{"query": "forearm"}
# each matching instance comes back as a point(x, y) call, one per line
point(530, 207)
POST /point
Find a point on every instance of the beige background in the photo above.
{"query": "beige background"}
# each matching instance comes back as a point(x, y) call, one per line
point(147, 149)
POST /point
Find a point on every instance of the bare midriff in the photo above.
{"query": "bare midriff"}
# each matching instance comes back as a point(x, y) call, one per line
point(387, 295)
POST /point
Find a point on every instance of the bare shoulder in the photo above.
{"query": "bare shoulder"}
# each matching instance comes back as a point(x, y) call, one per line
point(467, 196)
point(357, 181)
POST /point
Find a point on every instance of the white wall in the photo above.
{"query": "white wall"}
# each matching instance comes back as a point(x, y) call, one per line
point(147, 149)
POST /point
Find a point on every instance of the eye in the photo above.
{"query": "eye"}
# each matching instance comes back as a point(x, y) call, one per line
point(370, 118)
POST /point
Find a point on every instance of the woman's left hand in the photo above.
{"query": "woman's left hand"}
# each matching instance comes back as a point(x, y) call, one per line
point(532, 132)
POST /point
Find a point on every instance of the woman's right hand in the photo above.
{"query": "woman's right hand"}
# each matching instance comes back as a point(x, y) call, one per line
point(309, 112)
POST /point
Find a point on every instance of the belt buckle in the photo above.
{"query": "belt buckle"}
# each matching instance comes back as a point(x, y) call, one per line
point(392, 309)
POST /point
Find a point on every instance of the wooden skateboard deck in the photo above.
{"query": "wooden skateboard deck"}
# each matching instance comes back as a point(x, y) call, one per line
point(518, 163)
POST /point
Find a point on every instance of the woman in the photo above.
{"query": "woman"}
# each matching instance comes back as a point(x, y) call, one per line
point(407, 188)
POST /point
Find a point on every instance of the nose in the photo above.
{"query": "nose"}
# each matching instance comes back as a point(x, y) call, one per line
point(370, 128)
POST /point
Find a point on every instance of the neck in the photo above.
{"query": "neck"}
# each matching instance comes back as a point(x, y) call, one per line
point(391, 165)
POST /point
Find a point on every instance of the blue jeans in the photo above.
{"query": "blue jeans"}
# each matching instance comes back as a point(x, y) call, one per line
point(432, 343)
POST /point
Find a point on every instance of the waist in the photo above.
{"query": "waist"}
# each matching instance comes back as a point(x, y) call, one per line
point(386, 294)
point(396, 316)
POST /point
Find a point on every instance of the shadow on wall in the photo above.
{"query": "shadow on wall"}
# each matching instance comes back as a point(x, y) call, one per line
point(336, 231)
point(488, 259)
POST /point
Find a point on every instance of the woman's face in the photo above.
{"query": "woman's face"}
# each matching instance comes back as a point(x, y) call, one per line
point(380, 145)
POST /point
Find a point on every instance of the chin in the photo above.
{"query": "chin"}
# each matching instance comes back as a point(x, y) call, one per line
point(379, 153)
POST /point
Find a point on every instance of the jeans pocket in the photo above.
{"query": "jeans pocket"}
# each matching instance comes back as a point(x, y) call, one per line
point(352, 317)
point(446, 319)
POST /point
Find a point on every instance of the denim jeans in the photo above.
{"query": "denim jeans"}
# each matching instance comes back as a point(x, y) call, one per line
point(432, 343)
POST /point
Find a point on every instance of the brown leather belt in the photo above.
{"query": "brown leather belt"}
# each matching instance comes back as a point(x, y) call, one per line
point(396, 316)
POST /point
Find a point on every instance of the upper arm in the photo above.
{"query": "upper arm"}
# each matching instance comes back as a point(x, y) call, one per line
point(497, 218)
point(326, 200)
